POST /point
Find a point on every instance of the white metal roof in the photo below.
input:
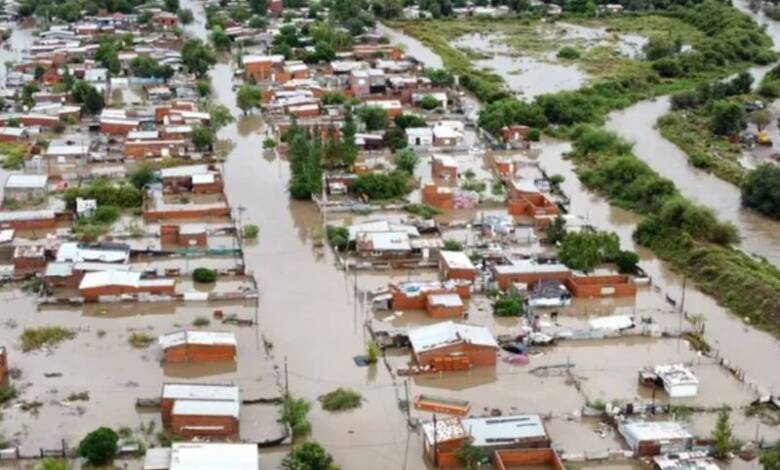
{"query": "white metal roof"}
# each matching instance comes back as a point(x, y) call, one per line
point(209, 456)
point(201, 392)
point(71, 251)
point(527, 266)
point(180, 171)
point(639, 431)
point(110, 278)
point(488, 431)
point(381, 226)
point(206, 408)
point(612, 322)
point(676, 374)
point(209, 338)
point(457, 259)
point(445, 300)
point(26, 182)
point(386, 241)
point(434, 336)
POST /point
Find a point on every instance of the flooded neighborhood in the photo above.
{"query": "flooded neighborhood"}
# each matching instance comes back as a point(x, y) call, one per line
point(317, 235)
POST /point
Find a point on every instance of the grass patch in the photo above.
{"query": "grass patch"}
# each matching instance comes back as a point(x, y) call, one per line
point(422, 210)
point(140, 339)
point(44, 336)
point(14, 155)
point(341, 399)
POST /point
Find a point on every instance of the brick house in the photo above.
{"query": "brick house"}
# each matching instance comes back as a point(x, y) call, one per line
point(444, 305)
point(189, 235)
point(29, 259)
point(28, 220)
point(526, 200)
point(453, 346)
point(113, 283)
point(200, 410)
point(528, 272)
point(514, 133)
point(508, 459)
point(440, 197)
point(444, 169)
point(154, 148)
point(456, 265)
point(165, 19)
point(261, 68)
point(414, 295)
point(198, 346)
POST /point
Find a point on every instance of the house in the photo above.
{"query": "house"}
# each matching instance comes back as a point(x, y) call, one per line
point(419, 136)
point(116, 122)
point(514, 459)
point(444, 169)
point(453, 346)
point(198, 346)
point(678, 381)
point(202, 456)
point(154, 148)
point(383, 244)
point(514, 133)
point(525, 199)
point(115, 283)
point(25, 187)
point(200, 410)
point(28, 220)
point(442, 438)
point(261, 68)
point(648, 438)
point(413, 295)
point(188, 235)
point(392, 107)
point(447, 305)
point(694, 460)
point(93, 252)
point(165, 19)
point(197, 179)
point(13, 134)
point(29, 259)
point(528, 272)
point(456, 265)
point(446, 136)
point(549, 293)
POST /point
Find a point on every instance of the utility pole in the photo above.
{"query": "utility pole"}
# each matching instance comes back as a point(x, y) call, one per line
point(682, 299)
point(408, 403)
point(286, 379)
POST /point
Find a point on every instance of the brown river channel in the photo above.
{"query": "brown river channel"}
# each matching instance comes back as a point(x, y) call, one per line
point(313, 315)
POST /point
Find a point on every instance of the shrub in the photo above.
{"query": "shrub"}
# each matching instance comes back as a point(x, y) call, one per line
point(341, 399)
point(372, 352)
point(429, 103)
point(140, 339)
point(251, 231)
point(99, 446)
point(204, 275)
point(7, 393)
point(44, 336)
point(761, 190)
point(406, 160)
point(200, 322)
point(338, 237)
point(568, 53)
point(294, 412)
point(453, 245)
point(585, 250)
point(308, 456)
point(534, 134)
point(627, 262)
point(142, 176)
point(422, 210)
point(382, 185)
point(508, 304)
point(269, 144)
point(50, 463)
point(106, 214)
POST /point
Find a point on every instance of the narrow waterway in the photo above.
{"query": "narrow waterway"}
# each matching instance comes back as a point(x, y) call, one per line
point(637, 124)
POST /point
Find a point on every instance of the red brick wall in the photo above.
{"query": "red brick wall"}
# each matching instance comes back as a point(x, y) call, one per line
point(198, 353)
point(433, 198)
point(116, 128)
point(591, 286)
point(29, 265)
point(95, 292)
point(149, 149)
point(260, 71)
point(477, 355)
point(193, 214)
point(445, 312)
point(505, 280)
point(449, 273)
point(228, 426)
point(30, 224)
point(520, 458)
point(439, 171)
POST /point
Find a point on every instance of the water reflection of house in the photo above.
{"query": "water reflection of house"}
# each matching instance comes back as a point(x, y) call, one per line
point(453, 346)
point(200, 410)
point(442, 438)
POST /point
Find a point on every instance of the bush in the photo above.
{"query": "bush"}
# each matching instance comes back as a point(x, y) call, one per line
point(50, 463)
point(294, 412)
point(569, 53)
point(269, 144)
point(429, 103)
point(308, 456)
point(761, 190)
point(534, 134)
point(508, 304)
point(406, 160)
point(727, 118)
point(7, 393)
point(140, 339)
point(585, 250)
point(106, 194)
point(99, 446)
point(142, 176)
point(381, 185)
point(341, 399)
point(405, 121)
point(338, 237)
point(204, 275)
point(106, 214)
point(372, 352)
point(201, 322)
point(44, 336)
point(627, 262)
point(251, 231)
point(426, 212)
point(453, 245)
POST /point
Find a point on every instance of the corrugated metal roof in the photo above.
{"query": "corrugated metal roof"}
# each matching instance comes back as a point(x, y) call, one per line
point(197, 337)
point(503, 429)
point(201, 392)
point(206, 408)
point(441, 334)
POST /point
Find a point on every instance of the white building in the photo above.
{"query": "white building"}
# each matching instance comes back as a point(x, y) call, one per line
point(203, 456)
point(678, 380)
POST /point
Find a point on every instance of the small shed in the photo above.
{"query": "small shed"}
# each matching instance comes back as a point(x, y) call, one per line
point(198, 346)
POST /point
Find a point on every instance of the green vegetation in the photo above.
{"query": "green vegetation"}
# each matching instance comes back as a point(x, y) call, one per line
point(382, 186)
point(508, 304)
point(374, 118)
point(198, 57)
point(305, 157)
point(202, 138)
point(147, 67)
point(372, 352)
point(761, 190)
point(723, 435)
point(585, 250)
point(13, 155)
point(556, 231)
point(406, 160)
point(678, 231)
point(50, 463)
point(248, 97)
point(294, 412)
point(422, 210)
point(140, 339)
point(269, 144)
point(88, 96)
point(569, 53)
point(7, 393)
point(106, 193)
point(251, 231)
point(100, 446)
point(44, 336)
point(341, 399)
point(338, 237)
point(204, 275)
point(220, 116)
point(308, 456)
point(471, 456)
point(201, 322)
point(771, 459)
point(142, 176)
point(453, 245)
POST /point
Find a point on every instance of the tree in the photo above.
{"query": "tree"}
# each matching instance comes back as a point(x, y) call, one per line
point(308, 456)
point(727, 118)
point(406, 160)
point(771, 459)
point(374, 117)
point(723, 435)
point(219, 38)
point(202, 138)
point(660, 46)
point(203, 87)
point(220, 116)
point(294, 412)
point(107, 54)
point(469, 455)
point(146, 67)
point(198, 57)
point(142, 176)
point(556, 231)
point(429, 103)
point(508, 304)
point(761, 118)
point(586, 250)
point(348, 131)
point(626, 261)
point(248, 97)
point(259, 7)
point(204, 275)
point(99, 446)
point(761, 190)
point(91, 99)
point(440, 77)
point(185, 16)
point(405, 121)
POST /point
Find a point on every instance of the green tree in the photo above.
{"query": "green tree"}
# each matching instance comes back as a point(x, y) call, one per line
point(761, 118)
point(660, 46)
point(248, 97)
point(107, 55)
point(440, 77)
point(556, 231)
point(99, 446)
point(723, 435)
point(308, 456)
point(220, 116)
point(202, 138)
point(374, 118)
point(141, 176)
point(771, 458)
point(627, 261)
point(91, 99)
point(469, 455)
point(203, 87)
point(185, 16)
point(294, 414)
point(727, 118)
point(429, 103)
point(219, 38)
point(198, 57)
point(406, 160)
point(405, 121)
point(585, 250)
point(508, 304)
point(204, 275)
point(761, 190)
point(348, 131)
